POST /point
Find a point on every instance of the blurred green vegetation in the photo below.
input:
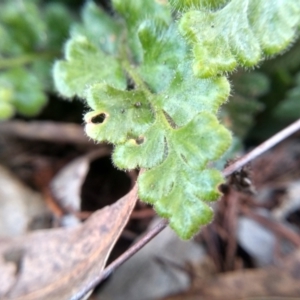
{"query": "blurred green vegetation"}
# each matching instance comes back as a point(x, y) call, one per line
point(32, 34)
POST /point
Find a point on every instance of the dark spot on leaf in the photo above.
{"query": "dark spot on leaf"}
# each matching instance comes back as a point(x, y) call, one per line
point(99, 119)
point(170, 187)
point(170, 120)
point(166, 148)
point(130, 84)
point(140, 140)
point(184, 158)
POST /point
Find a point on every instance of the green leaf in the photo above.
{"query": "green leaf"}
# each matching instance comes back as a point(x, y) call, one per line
point(41, 69)
point(26, 92)
point(174, 81)
point(289, 108)
point(177, 156)
point(6, 110)
point(163, 47)
point(31, 35)
point(86, 64)
point(134, 13)
point(166, 123)
point(200, 141)
point(99, 28)
point(114, 107)
point(241, 33)
point(184, 5)
point(187, 95)
point(180, 193)
point(170, 130)
point(6, 107)
point(146, 151)
point(25, 33)
point(274, 23)
point(179, 185)
point(58, 20)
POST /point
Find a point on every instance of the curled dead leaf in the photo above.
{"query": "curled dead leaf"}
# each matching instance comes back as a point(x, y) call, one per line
point(58, 263)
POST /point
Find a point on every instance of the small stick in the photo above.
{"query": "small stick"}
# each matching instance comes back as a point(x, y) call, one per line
point(268, 144)
point(121, 259)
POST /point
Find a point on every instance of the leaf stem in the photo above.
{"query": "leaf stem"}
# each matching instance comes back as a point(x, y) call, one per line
point(134, 249)
point(12, 62)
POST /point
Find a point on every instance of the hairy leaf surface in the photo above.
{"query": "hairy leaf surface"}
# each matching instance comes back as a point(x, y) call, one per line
point(98, 27)
point(163, 48)
point(134, 13)
point(124, 113)
point(163, 118)
point(241, 33)
point(184, 5)
point(86, 64)
point(172, 122)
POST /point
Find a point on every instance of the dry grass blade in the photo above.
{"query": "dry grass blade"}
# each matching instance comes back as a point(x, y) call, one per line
point(56, 264)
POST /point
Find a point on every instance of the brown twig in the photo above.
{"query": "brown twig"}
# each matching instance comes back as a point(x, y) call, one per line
point(268, 144)
point(213, 244)
point(280, 136)
point(142, 214)
point(122, 258)
point(230, 219)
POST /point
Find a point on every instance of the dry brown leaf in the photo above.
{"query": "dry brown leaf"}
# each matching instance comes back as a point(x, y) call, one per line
point(276, 281)
point(58, 263)
point(158, 269)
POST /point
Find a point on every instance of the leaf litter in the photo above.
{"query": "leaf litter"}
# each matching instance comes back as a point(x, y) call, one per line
point(57, 263)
